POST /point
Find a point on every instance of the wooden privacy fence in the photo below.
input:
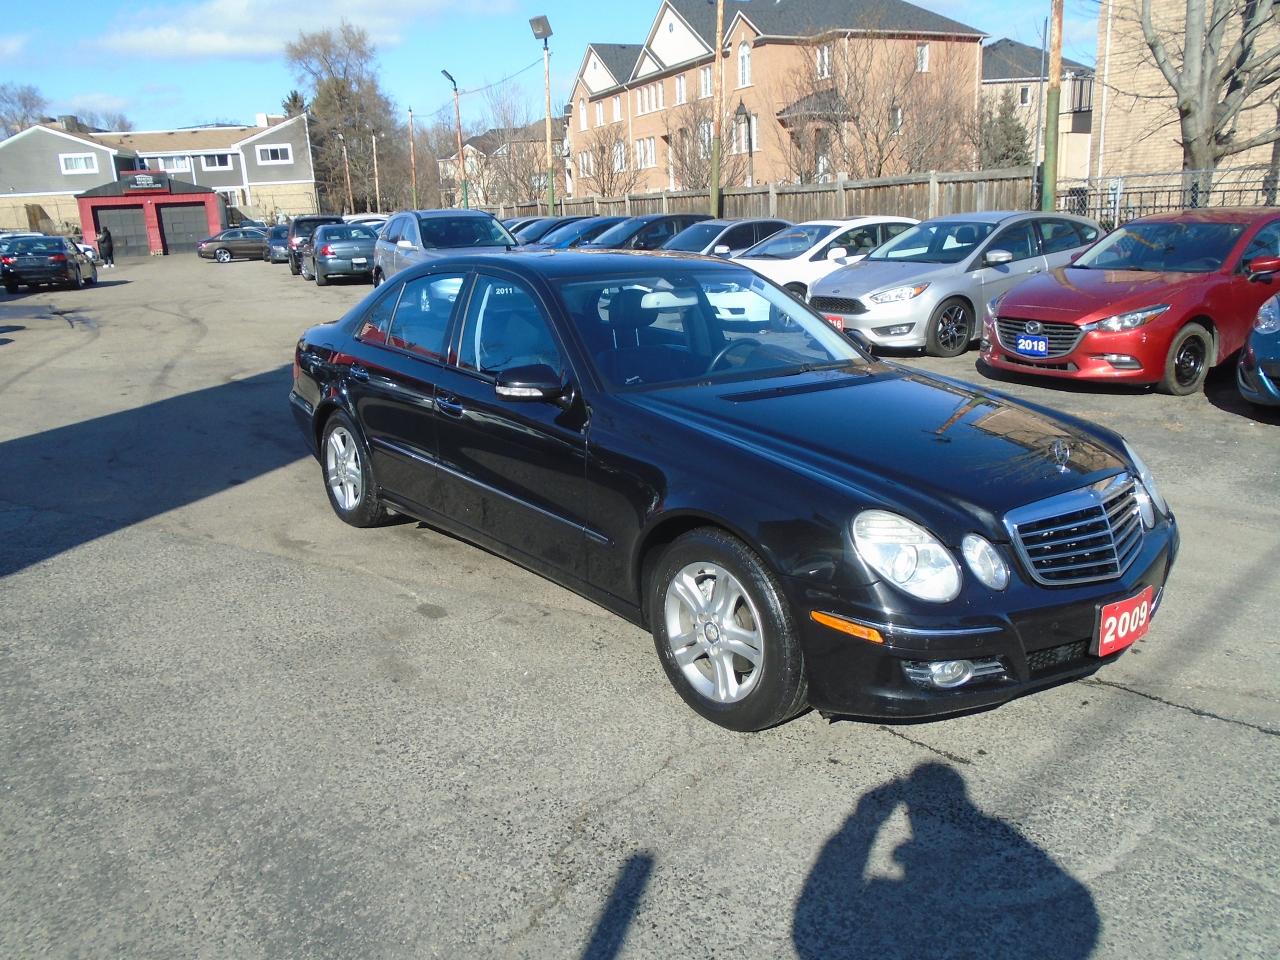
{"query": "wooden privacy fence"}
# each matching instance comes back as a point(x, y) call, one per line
point(920, 196)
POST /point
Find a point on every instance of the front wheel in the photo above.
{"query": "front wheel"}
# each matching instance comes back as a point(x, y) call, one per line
point(348, 479)
point(306, 274)
point(1188, 361)
point(724, 632)
point(950, 329)
point(222, 255)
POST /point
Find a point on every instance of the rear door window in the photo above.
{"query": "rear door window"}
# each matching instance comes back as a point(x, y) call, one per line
point(420, 322)
point(1019, 239)
point(739, 237)
point(1059, 236)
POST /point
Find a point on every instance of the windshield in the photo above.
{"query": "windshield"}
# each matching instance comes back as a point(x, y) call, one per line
point(617, 235)
point(699, 325)
point(694, 239)
point(790, 243)
point(944, 241)
point(1164, 247)
point(534, 232)
point(565, 234)
point(450, 232)
point(279, 233)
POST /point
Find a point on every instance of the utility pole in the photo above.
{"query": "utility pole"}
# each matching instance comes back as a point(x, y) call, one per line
point(1049, 190)
point(542, 31)
point(460, 166)
point(413, 161)
point(717, 105)
point(377, 186)
point(346, 169)
point(1044, 53)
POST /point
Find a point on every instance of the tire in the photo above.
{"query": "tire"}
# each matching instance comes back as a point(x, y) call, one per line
point(725, 686)
point(76, 282)
point(797, 290)
point(950, 329)
point(222, 255)
point(348, 479)
point(11, 288)
point(321, 279)
point(306, 274)
point(1188, 361)
point(294, 267)
point(377, 278)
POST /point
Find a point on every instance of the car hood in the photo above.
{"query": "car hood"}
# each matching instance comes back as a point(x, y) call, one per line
point(901, 436)
point(1069, 294)
point(868, 276)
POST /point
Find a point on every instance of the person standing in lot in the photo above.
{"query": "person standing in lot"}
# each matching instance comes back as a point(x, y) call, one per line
point(106, 247)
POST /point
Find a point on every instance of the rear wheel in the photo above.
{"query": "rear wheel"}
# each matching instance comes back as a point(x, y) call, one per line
point(321, 279)
point(950, 329)
point(306, 274)
point(77, 281)
point(348, 479)
point(1188, 361)
point(377, 278)
point(10, 288)
point(294, 267)
point(724, 632)
point(222, 255)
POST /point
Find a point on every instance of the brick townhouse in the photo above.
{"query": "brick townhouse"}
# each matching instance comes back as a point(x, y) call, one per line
point(795, 73)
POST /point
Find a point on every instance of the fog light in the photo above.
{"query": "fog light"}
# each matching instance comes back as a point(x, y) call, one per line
point(1122, 361)
point(897, 330)
point(949, 674)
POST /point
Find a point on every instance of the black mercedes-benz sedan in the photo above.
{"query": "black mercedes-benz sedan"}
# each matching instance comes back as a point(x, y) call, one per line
point(681, 441)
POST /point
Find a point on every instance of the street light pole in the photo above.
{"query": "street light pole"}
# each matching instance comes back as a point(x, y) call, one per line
point(377, 186)
point(460, 166)
point(717, 106)
point(413, 161)
point(742, 116)
point(346, 169)
point(542, 31)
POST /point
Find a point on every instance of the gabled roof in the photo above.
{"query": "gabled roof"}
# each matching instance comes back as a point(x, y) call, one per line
point(1007, 59)
point(195, 140)
point(619, 58)
point(805, 18)
point(821, 104)
point(86, 139)
point(497, 137)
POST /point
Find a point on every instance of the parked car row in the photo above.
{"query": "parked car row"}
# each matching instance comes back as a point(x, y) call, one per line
point(34, 260)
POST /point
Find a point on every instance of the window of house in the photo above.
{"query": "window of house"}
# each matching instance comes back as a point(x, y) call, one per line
point(216, 161)
point(586, 163)
point(704, 83)
point(582, 114)
point(170, 164)
point(824, 62)
point(704, 138)
point(744, 64)
point(72, 163)
point(617, 109)
point(1024, 96)
point(600, 113)
point(680, 92)
point(619, 157)
point(269, 153)
point(895, 120)
point(922, 58)
point(662, 94)
point(646, 152)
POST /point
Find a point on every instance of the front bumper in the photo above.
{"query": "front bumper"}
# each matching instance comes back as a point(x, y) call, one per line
point(1132, 357)
point(902, 325)
point(1041, 637)
point(1258, 379)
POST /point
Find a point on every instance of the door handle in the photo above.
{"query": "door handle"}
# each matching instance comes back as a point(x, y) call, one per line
point(449, 406)
point(358, 372)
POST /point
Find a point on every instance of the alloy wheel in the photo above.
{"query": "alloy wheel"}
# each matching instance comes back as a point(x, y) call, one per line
point(222, 256)
point(953, 328)
point(342, 469)
point(714, 631)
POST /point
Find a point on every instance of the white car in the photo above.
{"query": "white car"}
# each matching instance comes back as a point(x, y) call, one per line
point(798, 257)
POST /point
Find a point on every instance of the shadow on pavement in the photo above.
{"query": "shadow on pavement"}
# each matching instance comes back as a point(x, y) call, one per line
point(969, 885)
point(1221, 390)
point(70, 485)
point(615, 919)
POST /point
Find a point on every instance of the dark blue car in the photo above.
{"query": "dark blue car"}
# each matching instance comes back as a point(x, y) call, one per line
point(1258, 374)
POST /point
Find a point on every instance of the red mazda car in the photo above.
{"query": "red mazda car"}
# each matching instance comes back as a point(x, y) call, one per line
point(1160, 301)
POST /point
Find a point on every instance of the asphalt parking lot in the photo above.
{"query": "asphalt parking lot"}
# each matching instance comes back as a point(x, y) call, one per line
point(231, 726)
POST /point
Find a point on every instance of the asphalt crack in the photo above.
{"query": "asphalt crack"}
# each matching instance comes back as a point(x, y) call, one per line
point(1195, 711)
point(954, 757)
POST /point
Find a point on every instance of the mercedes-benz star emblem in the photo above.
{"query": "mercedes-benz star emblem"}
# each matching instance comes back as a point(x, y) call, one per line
point(1035, 328)
point(1061, 451)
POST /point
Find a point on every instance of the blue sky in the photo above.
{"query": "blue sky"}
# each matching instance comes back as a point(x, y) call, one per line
point(199, 61)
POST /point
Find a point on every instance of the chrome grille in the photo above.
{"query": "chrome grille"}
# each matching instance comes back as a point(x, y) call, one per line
point(1080, 537)
point(837, 305)
point(1063, 337)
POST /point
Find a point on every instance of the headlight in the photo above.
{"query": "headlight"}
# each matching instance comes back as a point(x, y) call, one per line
point(898, 294)
point(1148, 481)
point(1268, 317)
point(993, 307)
point(985, 561)
point(907, 555)
point(1127, 321)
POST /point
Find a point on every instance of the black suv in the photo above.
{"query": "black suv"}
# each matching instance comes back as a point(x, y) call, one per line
point(300, 228)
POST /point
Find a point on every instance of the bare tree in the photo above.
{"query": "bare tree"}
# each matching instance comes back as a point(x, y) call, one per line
point(688, 136)
point(1222, 63)
point(21, 105)
point(513, 167)
point(105, 120)
point(605, 165)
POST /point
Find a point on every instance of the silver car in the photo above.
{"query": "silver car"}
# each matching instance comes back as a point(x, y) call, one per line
point(928, 286)
point(416, 236)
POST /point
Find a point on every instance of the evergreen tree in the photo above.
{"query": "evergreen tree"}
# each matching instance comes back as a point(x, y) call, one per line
point(1004, 138)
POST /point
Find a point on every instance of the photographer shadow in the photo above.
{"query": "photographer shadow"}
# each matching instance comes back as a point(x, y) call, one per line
point(968, 885)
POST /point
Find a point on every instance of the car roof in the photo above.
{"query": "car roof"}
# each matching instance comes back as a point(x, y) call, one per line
point(985, 216)
point(435, 214)
point(1214, 215)
point(559, 264)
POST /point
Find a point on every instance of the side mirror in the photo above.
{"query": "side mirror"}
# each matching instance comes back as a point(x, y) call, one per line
point(721, 250)
point(1075, 256)
point(837, 253)
point(535, 382)
point(860, 340)
point(1263, 268)
point(404, 244)
point(993, 258)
